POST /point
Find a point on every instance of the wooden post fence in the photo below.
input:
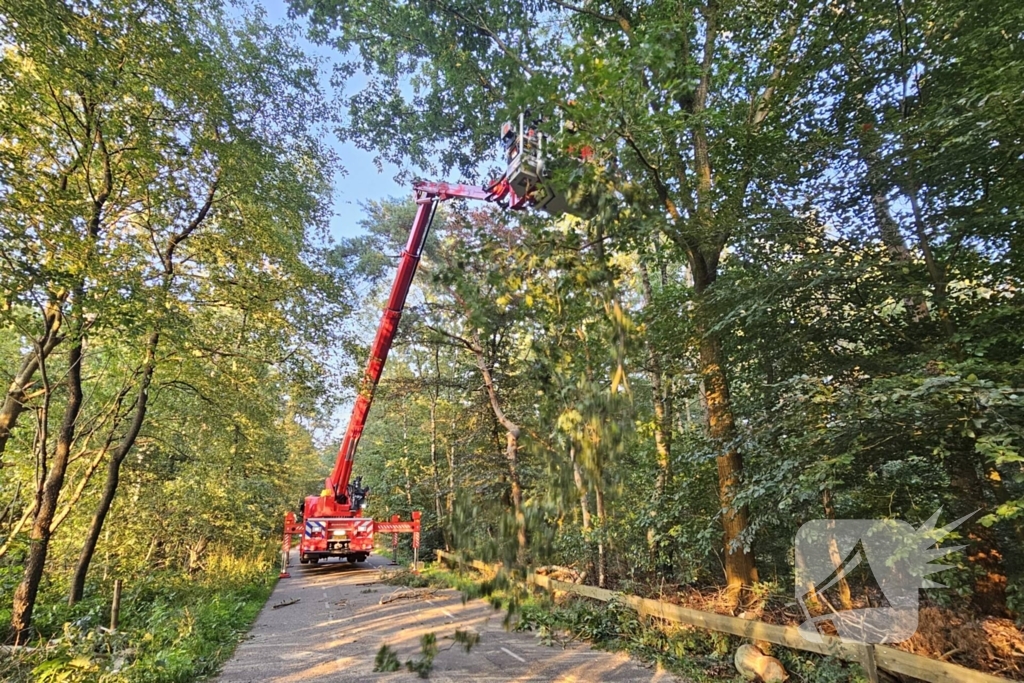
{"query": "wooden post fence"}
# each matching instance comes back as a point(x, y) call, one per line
point(870, 657)
point(115, 605)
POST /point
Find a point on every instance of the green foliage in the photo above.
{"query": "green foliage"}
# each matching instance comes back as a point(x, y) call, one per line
point(795, 293)
point(467, 639)
point(165, 198)
point(817, 669)
point(173, 628)
point(386, 660)
point(613, 626)
point(853, 252)
point(428, 650)
point(697, 654)
point(405, 577)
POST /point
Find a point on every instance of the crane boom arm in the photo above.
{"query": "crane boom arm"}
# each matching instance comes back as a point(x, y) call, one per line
point(427, 197)
point(333, 524)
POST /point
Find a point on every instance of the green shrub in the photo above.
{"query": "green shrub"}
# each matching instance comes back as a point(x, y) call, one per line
point(173, 627)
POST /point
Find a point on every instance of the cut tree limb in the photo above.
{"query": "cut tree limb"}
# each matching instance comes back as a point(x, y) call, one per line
point(411, 594)
point(286, 604)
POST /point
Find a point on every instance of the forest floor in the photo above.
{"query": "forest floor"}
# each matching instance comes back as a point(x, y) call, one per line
point(326, 623)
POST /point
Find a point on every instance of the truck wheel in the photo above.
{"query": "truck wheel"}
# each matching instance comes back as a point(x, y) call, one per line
point(303, 559)
point(361, 557)
point(314, 560)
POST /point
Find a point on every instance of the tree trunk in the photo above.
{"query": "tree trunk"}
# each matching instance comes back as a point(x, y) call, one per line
point(450, 497)
point(845, 599)
point(435, 474)
point(14, 401)
point(25, 595)
point(114, 473)
point(740, 565)
point(512, 432)
point(150, 551)
point(986, 547)
point(94, 464)
point(433, 448)
point(512, 454)
point(662, 399)
point(936, 268)
point(405, 458)
point(740, 569)
point(195, 553)
point(581, 489)
point(602, 519)
point(868, 146)
point(450, 455)
point(408, 486)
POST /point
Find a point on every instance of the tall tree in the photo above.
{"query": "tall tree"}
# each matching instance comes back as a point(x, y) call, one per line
point(46, 506)
point(682, 132)
point(180, 158)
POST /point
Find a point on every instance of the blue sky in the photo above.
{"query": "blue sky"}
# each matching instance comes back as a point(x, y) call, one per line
point(361, 181)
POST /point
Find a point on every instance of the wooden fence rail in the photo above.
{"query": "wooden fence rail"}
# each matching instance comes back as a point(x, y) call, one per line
point(870, 657)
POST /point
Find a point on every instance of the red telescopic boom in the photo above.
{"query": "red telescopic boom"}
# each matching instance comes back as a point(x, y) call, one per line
point(333, 523)
point(425, 207)
point(427, 197)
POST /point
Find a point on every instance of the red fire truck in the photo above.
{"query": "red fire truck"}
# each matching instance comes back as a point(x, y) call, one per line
point(332, 522)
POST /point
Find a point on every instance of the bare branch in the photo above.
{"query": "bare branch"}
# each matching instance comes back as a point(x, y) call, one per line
point(194, 224)
point(612, 18)
point(460, 340)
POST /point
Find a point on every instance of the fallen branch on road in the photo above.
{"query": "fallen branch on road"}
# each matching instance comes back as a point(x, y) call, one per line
point(410, 594)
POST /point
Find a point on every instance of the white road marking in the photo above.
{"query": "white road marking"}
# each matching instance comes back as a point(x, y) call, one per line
point(513, 654)
point(448, 613)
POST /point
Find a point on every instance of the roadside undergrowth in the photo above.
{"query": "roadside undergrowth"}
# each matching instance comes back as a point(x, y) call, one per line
point(174, 627)
point(695, 654)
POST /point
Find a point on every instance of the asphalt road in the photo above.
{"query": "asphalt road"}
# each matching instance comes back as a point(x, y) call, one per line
point(337, 626)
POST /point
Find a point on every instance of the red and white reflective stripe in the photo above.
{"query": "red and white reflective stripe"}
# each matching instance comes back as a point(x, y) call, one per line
point(396, 527)
point(357, 525)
